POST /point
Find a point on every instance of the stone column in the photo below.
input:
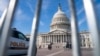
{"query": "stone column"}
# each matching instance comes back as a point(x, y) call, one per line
point(55, 38)
point(68, 38)
point(44, 39)
point(62, 38)
point(48, 38)
point(65, 38)
point(58, 38)
point(52, 38)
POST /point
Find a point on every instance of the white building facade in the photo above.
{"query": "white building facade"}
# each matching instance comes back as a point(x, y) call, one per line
point(60, 33)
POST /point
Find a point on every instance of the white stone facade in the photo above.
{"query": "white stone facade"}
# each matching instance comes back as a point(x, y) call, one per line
point(86, 40)
point(60, 33)
point(60, 39)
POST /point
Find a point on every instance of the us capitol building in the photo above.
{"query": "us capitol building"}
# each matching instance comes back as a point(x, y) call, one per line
point(60, 33)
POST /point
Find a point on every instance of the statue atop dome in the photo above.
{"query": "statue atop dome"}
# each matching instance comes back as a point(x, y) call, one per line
point(59, 7)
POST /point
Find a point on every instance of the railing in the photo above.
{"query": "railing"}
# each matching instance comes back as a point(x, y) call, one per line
point(91, 19)
point(4, 36)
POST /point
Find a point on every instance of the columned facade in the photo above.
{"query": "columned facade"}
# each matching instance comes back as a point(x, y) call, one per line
point(60, 33)
point(58, 40)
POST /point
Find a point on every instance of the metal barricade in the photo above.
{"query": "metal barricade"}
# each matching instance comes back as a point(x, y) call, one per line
point(32, 45)
point(93, 25)
point(3, 19)
point(94, 30)
point(74, 30)
point(6, 28)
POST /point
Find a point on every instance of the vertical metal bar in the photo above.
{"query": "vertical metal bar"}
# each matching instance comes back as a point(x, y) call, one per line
point(74, 28)
point(93, 25)
point(6, 28)
point(2, 19)
point(32, 45)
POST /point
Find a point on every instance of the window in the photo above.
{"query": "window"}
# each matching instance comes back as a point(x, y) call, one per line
point(18, 35)
point(14, 34)
point(21, 36)
point(84, 44)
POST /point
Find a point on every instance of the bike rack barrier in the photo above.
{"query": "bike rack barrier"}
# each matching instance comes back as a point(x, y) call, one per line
point(74, 30)
point(90, 13)
point(3, 19)
point(93, 25)
point(6, 28)
point(32, 44)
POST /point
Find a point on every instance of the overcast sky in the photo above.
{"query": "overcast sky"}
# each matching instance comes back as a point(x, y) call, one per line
point(25, 12)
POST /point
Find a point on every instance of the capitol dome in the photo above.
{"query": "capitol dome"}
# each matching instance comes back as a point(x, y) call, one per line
point(60, 21)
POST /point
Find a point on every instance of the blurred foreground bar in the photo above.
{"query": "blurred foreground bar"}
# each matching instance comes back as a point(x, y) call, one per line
point(93, 25)
point(6, 28)
point(2, 19)
point(74, 28)
point(32, 45)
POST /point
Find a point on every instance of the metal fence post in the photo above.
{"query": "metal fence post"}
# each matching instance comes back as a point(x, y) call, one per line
point(74, 28)
point(6, 28)
point(93, 25)
point(32, 45)
point(2, 19)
